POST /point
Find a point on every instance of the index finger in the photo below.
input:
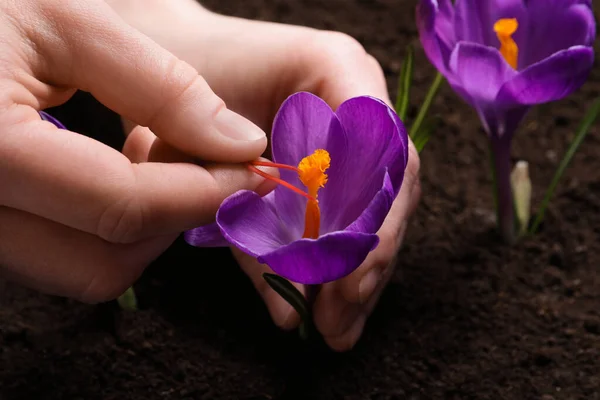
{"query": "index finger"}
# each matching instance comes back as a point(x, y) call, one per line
point(86, 45)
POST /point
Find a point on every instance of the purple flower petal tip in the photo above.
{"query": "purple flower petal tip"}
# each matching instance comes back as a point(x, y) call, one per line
point(47, 117)
point(326, 259)
point(205, 236)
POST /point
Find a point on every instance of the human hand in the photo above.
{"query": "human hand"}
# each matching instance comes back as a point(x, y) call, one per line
point(254, 66)
point(77, 218)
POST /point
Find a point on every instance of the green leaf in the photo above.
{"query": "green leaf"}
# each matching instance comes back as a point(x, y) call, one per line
point(404, 83)
point(128, 301)
point(421, 137)
point(416, 126)
point(289, 293)
point(588, 120)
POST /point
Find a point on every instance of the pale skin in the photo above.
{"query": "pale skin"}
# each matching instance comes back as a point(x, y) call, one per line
point(82, 220)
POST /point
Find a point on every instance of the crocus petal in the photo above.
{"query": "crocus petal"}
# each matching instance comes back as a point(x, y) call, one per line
point(47, 117)
point(480, 73)
point(554, 25)
point(474, 19)
point(379, 141)
point(326, 259)
point(206, 236)
point(373, 216)
point(251, 223)
point(550, 79)
point(303, 124)
point(434, 22)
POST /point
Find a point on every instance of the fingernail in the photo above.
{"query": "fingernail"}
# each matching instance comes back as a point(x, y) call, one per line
point(236, 127)
point(367, 285)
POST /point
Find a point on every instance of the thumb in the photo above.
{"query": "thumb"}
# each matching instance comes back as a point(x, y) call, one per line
point(94, 50)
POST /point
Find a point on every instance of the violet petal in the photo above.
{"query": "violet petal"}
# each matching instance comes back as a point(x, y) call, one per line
point(480, 73)
point(436, 32)
point(316, 261)
point(550, 79)
point(303, 124)
point(474, 19)
point(252, 223)
point(47, 117)
point(375, 213)
point(378, 142)
point(206, 236)
point(551, 26)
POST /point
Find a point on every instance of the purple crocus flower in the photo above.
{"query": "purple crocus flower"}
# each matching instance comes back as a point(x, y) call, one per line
point(502, 57)
point(351, 163)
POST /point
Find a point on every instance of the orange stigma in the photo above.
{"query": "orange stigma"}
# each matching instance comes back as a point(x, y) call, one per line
point(504, 29)
point(311, 171)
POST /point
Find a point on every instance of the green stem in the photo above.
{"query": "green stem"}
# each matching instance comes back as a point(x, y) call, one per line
point(501, 168)
point(306, 327)
point(416, 126)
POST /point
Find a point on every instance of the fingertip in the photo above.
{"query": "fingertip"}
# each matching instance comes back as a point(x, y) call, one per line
point(282, 313)
point(348, 339)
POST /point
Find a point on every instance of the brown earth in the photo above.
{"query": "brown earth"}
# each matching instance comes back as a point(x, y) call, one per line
point(465, 317)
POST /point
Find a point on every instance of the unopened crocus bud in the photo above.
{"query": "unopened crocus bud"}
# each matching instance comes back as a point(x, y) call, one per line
point(521, 187)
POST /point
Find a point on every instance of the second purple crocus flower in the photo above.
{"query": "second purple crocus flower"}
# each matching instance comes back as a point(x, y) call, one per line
point(342, 170)
point(502, 57)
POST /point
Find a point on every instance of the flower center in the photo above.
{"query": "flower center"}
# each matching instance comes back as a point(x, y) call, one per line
point(504, 29)
point(311, 171)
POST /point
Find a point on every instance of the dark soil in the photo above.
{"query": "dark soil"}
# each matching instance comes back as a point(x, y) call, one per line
point(465, 317)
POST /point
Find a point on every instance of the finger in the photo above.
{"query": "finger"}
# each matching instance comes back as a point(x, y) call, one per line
point(76, 181)
point(333, 315)
point(282, 313)
point(58, 260)
point(359, 286)
point(348, 338)
point(339, 68)
point(91, 48)
point(143, 146)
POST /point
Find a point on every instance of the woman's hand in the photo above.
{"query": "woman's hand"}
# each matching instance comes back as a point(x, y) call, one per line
point(254, 66)
point(77, 218)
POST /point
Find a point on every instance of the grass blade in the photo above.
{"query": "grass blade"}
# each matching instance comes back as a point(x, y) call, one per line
point(421, 137)
point(404, 83)
point(416, 126)
point(289, 293)
point(588, 120)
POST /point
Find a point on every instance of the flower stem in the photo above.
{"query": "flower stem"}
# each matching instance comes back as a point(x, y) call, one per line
point(306, 326)
point(501, 168)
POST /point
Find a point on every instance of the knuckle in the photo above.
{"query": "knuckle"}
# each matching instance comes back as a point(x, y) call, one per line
point(122, 221)
point(179, 82)
point(335, 47)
